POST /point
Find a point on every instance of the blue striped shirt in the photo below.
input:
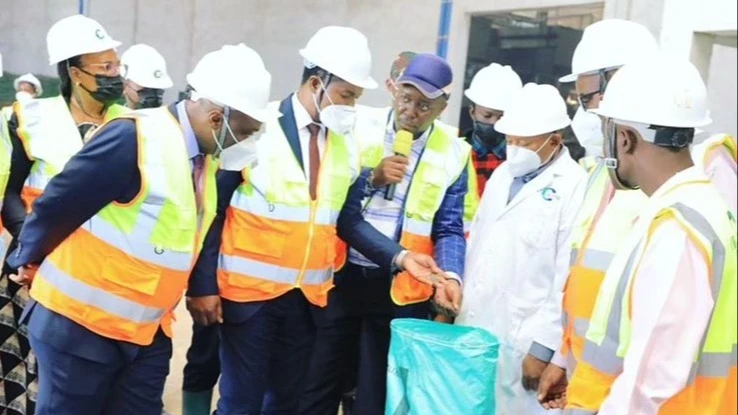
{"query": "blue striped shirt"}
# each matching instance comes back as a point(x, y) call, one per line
point(384, 214)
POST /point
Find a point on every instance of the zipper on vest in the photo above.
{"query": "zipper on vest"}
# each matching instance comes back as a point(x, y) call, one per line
point(311, 232)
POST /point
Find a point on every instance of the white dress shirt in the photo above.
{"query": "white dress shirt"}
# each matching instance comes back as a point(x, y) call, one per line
point(302, 120)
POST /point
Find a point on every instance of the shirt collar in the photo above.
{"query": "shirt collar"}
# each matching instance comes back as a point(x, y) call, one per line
point(193, 149)
point(302, 117)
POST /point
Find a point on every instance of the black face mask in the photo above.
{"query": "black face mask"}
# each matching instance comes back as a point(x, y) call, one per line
point(490, 137)
point(150, 98)
point(109, 88)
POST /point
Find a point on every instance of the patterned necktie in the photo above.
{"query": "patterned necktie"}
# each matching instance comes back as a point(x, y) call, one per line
point(314, 155)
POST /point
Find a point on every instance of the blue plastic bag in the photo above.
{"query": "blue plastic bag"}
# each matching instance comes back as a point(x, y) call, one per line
point(440, 369)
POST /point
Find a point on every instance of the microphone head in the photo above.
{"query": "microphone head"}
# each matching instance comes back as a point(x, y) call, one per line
point(403, 142)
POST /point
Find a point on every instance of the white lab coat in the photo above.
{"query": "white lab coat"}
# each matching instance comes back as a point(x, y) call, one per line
point(517, 263)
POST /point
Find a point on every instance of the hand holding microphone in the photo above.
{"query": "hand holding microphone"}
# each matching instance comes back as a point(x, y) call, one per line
point(392, 169)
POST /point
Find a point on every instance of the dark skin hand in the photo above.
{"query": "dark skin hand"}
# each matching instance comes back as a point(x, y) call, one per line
point(391, 170)
point(532, 370)
point(205, 310)
point(552, 388)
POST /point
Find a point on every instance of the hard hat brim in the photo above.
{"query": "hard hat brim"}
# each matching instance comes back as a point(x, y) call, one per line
point(527, 129)
point(572, 77)
point(366, 83)
point(477, 100)
point(110, 45)
point(261, 115)
point(164, 83)
point(604, 112)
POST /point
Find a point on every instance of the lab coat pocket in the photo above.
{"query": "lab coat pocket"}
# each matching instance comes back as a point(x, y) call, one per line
point(521, 313)
point(538, 230)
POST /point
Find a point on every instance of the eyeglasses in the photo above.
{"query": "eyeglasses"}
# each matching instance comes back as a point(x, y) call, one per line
point(585, 99)
point(108, 68)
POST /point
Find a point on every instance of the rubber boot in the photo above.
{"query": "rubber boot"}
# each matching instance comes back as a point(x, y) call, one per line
point(347, 402)
point(196, 403)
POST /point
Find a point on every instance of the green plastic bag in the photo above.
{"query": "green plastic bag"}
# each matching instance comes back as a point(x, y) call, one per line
point(440, 369)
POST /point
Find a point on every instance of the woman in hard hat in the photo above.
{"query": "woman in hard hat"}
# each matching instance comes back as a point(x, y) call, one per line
point(145, 77)
point(45, 133)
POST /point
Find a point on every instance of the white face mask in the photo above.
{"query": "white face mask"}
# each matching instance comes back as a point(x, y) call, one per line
point(338, 118)
point(243, 155)
point(23, 96)
point(521, 161)
point(588, 129)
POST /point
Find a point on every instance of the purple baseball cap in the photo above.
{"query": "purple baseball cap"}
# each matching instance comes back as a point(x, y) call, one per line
point(430, 74)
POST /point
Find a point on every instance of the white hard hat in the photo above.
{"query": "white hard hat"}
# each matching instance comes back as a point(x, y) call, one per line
point(145, 66)
point(659, 90)
point(609, 44)
point(534, 110)
point(493, 86)
point(343, 52)
point(31, 79)
point(77, 35)
point(234, 76)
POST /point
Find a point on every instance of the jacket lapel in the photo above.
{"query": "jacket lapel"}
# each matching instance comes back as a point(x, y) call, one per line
point(289, 128)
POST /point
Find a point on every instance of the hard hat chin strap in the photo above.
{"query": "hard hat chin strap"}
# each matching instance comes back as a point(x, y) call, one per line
point(611, 158)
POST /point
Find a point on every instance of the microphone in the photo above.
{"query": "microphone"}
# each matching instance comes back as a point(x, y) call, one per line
point(401, 147)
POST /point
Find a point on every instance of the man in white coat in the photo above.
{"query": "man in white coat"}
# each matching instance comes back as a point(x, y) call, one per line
point(518, 251)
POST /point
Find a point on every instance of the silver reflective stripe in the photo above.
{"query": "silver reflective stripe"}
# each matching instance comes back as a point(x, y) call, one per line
point(596, 260)
point(96, 297)
point(604, 357)
point(317, 276)
point(573, 256)
point(709, 364)
point(136, 243)
point(716, 365)
point(581, 325)
point(571, 364)
point(274, 273)
point(579, 412)
point(256, 204)
point(718, 250)
point(418, 227)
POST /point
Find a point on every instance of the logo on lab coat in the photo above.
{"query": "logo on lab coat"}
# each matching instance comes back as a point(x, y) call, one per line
point(548, 193)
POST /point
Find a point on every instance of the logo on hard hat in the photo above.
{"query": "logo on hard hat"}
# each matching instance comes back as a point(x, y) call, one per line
point(158, 74)
point(683, 100)
point(99, 33)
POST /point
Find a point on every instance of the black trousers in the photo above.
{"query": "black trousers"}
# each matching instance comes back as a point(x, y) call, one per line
point(202, 369)
point(352, 343)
